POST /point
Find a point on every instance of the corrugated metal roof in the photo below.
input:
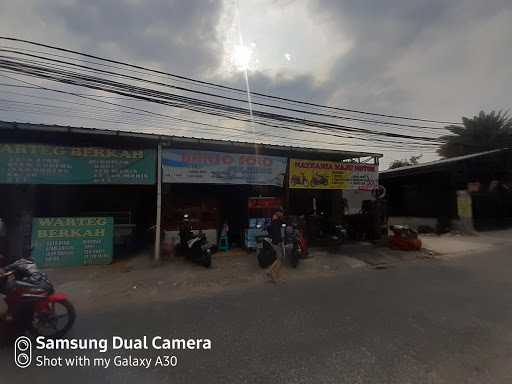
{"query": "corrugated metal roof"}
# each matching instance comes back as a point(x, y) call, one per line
point(411, 168)
point(182, 140)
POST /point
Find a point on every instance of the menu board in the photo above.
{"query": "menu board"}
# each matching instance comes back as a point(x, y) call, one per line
point(72, 241)
point(51, 164)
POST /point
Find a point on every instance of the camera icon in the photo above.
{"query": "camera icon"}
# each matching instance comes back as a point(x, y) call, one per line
point(23, 352)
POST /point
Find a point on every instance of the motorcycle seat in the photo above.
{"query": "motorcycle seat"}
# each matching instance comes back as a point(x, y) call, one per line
point(25, 284)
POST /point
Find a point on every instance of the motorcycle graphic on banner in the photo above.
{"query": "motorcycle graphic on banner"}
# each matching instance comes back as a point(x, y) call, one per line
point(317, 174)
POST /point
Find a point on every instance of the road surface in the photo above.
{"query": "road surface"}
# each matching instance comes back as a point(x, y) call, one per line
point(437, 321)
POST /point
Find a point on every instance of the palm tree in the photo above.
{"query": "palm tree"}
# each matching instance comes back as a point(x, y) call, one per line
point(413, 160)
point(481, 133)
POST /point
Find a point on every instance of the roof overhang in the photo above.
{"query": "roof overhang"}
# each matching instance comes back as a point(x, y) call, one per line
point(198, 143)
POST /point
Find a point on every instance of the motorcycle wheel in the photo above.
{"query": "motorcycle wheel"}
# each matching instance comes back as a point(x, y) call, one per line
point(207, 262)
point(56, 322)
point(295, 256)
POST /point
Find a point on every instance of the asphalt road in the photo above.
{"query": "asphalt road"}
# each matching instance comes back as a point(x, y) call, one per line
point(442, 321)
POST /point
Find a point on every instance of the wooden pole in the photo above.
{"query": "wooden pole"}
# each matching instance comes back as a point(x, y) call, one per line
point(158, 203)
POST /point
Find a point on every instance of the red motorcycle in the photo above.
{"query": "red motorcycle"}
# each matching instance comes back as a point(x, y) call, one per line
point(32, 304)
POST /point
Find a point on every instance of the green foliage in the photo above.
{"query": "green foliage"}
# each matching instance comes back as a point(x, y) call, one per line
point(481, 133)
point(413, 160)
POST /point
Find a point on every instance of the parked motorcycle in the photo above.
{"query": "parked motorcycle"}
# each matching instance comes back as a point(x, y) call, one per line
point(265, 251)
point(326, 232)
point(194, 247)
point(294, 247)
point(32, 304)
point(404, 238)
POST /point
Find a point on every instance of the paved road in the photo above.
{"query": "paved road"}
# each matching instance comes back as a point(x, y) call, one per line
point(447, 321)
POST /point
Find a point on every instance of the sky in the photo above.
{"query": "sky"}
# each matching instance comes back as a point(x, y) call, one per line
point(435, 59)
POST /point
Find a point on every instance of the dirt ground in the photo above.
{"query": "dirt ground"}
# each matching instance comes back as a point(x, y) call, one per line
point(139, 278)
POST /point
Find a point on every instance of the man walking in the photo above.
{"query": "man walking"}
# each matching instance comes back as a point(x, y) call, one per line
point(275, 233)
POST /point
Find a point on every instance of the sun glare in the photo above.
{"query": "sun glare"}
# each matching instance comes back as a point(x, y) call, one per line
point(241, 57)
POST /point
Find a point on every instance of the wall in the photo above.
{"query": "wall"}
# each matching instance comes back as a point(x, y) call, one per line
point(355, 200)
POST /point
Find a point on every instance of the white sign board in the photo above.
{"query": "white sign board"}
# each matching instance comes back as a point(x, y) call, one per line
point(191, 166)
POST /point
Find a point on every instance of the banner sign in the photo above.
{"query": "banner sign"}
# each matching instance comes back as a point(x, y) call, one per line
point(72, 241)
point(50, 164)
point(316, 174)
point(264, 202)
point(190, 166)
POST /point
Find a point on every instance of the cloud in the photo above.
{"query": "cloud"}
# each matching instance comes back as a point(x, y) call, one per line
point(426, 58)
point(175, 35)
point(407, 55)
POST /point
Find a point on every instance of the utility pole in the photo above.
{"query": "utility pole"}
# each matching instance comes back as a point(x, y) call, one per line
point(158, 203)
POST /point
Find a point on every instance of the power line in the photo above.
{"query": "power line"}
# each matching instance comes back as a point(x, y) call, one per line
point(186, 103)
point(64, 64)
point(43, 108)
point(155, 129)
point(219, 85)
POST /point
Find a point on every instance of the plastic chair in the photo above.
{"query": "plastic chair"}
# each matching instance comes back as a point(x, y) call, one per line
point(223, 244)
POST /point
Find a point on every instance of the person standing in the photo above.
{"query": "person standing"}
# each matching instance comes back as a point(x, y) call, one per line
point(276, 235)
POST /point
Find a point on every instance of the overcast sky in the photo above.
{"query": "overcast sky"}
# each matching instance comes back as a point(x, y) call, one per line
point(438, 59)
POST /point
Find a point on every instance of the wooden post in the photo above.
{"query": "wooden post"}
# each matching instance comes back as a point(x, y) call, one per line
point(286, 202)
point(158, 203)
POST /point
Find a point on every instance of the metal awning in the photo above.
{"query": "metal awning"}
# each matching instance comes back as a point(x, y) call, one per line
point(201, 143)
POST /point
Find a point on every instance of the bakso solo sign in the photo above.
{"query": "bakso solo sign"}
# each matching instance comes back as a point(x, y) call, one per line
point(316, 174)
point(51, 164)
point(71, 241)
point(189, 166)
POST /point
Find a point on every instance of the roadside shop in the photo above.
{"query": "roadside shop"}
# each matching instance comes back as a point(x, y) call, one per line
point(70, 183)
point(240, 190)
point(220, 190)
point(72, 204)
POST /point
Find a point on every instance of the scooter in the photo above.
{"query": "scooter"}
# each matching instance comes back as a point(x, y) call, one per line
point(325, 232)
point(194, 247)
point(33, 307)
point(293, 249)
point(293, 245)
point(265, 251)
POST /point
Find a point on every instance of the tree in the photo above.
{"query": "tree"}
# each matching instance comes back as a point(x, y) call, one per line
point(481, 133)
point(413, 160)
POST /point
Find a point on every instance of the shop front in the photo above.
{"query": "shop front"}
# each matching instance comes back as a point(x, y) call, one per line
point(328, 193)
point(224, 193)
point(73, 204)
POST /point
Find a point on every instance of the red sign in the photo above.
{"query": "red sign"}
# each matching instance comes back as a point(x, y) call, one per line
point(265, 202)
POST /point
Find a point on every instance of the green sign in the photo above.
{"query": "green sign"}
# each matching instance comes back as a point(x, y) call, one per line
point(71, 241)
point(50, 164)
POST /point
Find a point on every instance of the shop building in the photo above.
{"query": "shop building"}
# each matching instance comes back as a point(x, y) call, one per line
point(465, 192)
point(68, 172)
point(63, 172)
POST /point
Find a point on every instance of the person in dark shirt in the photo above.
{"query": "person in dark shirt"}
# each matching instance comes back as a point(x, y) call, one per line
point(274, 229)
point(275, 233)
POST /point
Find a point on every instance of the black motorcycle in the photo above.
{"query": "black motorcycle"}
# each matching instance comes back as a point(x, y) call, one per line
point(194, 247)
point(292, 248)
point(324, 231)
point(266, 253)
